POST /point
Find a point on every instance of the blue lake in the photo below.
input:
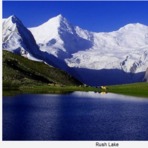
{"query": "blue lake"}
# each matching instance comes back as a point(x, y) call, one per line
point(75, 116)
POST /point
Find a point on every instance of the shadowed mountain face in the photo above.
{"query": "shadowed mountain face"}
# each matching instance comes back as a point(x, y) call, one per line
point(94, 58)
point(106, 76)
point(72, 41)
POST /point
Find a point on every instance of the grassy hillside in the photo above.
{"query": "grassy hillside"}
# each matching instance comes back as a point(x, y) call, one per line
point(19, 71)
point(135, 89)
point(36, 77)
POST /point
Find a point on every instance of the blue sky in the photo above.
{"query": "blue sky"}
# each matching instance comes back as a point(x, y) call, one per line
point(93, 16)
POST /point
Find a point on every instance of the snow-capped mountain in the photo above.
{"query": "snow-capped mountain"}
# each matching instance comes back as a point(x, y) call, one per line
point(94, 58)
point(18, 39)
point(59, 38)
point(126, 48)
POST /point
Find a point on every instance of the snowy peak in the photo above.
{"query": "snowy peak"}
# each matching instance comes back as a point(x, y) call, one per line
point(55, 20)
point(65, 25)
point(12, 20)
point(133, 35)
point(10, 28)
point(59, 18)
point(59, 37)
point(132, 26)
point(17, 38)
point(50, 29)
point(46, 31)
point(12, 24)
point(61, 23)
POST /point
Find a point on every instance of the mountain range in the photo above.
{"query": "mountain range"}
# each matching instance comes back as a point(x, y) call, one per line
point(103, 58)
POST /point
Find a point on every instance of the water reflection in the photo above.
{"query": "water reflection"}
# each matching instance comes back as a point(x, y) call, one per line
point(75, 116)
point(106, 95)
point(103, 92)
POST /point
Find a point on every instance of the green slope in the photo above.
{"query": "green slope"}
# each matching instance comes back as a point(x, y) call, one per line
point(135, 89)
point(19, 71)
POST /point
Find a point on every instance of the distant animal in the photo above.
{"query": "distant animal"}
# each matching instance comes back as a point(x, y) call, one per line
point(103, 87)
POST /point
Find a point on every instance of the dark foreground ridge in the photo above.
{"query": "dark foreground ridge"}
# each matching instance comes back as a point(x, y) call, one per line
point(18, 71)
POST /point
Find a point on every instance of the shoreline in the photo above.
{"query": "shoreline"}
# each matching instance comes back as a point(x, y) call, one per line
point(135, 89)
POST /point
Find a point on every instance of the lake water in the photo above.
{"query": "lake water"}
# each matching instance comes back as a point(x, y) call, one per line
point(75, 116)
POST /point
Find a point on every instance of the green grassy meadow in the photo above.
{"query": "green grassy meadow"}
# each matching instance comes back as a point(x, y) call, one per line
point(135, 89)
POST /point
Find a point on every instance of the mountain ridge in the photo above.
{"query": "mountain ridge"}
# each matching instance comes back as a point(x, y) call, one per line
point(18, 39)
point(71, 48)
point(96, 41)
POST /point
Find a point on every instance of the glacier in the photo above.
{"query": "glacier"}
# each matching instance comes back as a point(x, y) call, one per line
point(102, 58)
